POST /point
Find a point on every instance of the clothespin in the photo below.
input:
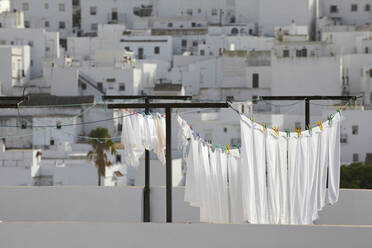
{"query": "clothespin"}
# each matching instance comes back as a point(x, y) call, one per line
point(191, 127)
point(338, 111)
point(238, 146)
point(264, 126)
point(252, 118)
point(288, 132)
point(298, 131)
point(276, 130)
point(24, 125)
point(309, 128)
point(197, 134)
point(228, 149)
point(177, 112)
point(320, 125)
point(330, 117)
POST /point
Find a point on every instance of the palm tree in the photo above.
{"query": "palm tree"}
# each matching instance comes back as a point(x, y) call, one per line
point(101, 143)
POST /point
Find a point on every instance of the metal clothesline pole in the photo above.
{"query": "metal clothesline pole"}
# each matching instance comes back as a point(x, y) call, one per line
point(168, 112)
point(307, 100)
point(146, 189)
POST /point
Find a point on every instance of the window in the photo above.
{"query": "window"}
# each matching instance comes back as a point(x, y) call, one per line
point(366, 50)
point(25, 7)
point(47, 49)
point(367, 7)
point(46, 24)
point(195, 43)
point(193, 24)
point(202, 52)
point(199, 10)
point(189, 12)
point(61, 7)
point(214, 12)
point(93, 10)
point(286, 53)
point(83, 86)
point(1, 24)
point(254, 99)
point(157, 50)
point(370, 96)
point(127, 48)
point(297, 125)
point(184, 43)
point(230, 98)
point(62, 25)
point(30, 43)
point(343, 138)
point(46, 5)
point(355, 157)
point(355, 130)
point(170, 25)
point(333, 9)
point(354, 7)
point(118, 158)
point(120, 127)
point(94, 26)
point(304, 52)
point(255, 80)
point(298, 53)
point(225, 129)
point(31, 62)
point(121, 87)
point(100, 86)
point(27, 24)
point(51, 142)
point(370, 73)
point(140, 53)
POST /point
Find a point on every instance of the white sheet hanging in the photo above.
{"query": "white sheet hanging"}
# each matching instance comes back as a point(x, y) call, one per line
point(235, 188)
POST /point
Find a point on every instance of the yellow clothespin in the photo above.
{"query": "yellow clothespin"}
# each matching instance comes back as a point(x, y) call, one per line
point(320, 125)
point(276, 130)
point(253, 120)
point(298, 131)
point(228, 150)
point(263, 125)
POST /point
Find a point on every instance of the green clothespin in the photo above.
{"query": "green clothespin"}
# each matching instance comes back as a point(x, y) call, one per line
point(238, 146)
point(338, 111)
point(288, 131)
point(330, 117)
point(309, 128)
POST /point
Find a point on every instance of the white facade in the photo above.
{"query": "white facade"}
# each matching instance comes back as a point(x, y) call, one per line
point(14, 19)
point(348, 12)
point(4, 5)
point(54, 16)
point(94, 12)
point(43, 45)
point(17, 167)
point(15, 69)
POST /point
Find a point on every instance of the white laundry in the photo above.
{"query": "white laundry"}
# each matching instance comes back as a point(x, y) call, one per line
point(223, 195)
point(247, 171)
point(235, 188)
point(334, 159)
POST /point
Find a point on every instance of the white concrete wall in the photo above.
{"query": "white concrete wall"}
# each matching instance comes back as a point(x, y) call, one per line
point(64, 81)
point(97, 235)
point(348, 17)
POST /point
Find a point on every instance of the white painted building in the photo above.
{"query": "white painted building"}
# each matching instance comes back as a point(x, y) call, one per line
point(347, 12)
point(53, 16)
point(43, 45)
point(4, 5)
point(11, 19)
point(15, 69)
point(95, 12)
point(18, 166)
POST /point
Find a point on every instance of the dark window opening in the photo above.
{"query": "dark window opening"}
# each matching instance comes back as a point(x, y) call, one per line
point(333, 9)
point(156, 50)
point(255, 80)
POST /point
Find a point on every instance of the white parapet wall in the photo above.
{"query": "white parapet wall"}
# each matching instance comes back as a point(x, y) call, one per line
point(98, 235)
point(125, 204)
